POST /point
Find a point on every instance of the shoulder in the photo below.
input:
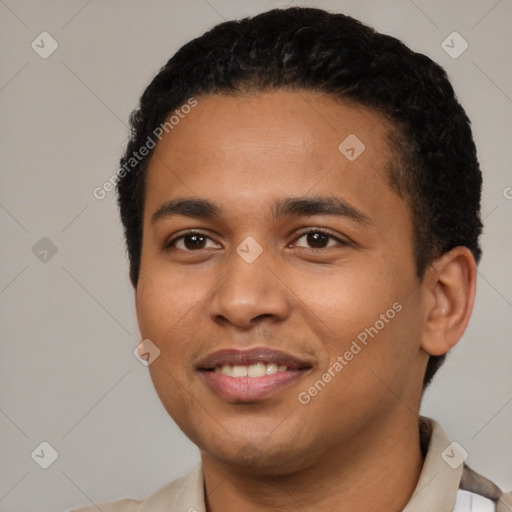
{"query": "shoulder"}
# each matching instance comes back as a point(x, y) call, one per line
point(183, 493)
point(468, 501)
point(456, 486)
point(479, 494)
point(126, 505)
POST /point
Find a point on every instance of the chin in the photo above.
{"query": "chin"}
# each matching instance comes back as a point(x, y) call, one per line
point(259, 458)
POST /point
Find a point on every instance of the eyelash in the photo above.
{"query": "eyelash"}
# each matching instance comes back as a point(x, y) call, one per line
point(173, 241)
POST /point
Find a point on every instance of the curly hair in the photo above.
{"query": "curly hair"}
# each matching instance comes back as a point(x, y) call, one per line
point(435, 166)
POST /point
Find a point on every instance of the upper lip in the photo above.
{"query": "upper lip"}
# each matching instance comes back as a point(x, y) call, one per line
point(247, 357)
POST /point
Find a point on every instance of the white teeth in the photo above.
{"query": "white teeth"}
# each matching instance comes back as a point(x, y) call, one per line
point(239, 371)
point(256, 370)
point(253, 370)
point(271, 369)
point(227, 369)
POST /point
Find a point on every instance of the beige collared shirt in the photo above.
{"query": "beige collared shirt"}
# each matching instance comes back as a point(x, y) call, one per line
point(445, 485)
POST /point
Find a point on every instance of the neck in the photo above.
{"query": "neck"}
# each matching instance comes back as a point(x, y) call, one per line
point(378, 470)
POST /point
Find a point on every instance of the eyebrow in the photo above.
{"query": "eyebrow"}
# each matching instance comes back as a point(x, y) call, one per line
point(303, 207)
point(200, 208)
point(289, 207)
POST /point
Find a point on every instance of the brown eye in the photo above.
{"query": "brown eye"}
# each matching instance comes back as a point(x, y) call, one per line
point(319, 240)
point(192, 241)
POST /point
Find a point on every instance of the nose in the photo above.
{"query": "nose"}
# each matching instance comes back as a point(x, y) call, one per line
point(248, 293)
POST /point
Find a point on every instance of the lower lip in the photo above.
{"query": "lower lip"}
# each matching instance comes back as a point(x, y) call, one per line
point(250, 389)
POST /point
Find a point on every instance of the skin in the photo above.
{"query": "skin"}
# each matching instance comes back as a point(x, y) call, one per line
point(355, 445)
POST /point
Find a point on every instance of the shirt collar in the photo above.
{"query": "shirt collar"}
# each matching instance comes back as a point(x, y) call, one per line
point(441, 473)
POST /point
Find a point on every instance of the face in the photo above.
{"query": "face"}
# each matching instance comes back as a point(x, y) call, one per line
point(278, 280)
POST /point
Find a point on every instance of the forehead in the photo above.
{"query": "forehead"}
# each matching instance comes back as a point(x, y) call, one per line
point(245, 150)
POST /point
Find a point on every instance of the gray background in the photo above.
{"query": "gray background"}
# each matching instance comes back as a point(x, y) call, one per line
point(68, 375)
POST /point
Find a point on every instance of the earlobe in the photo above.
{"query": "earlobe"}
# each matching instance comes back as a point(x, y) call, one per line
point(450, 287)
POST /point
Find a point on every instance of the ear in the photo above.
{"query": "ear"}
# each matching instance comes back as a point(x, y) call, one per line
point(450, 285)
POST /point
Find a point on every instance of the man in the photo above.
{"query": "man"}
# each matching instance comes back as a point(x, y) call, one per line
point(300, 198)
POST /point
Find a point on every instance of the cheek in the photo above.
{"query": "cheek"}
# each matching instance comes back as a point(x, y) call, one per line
point(164, 309)
point(346, 300)
point(366, 315)
point(165, 301)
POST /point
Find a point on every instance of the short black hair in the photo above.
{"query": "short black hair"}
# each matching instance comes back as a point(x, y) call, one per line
point(435, 166)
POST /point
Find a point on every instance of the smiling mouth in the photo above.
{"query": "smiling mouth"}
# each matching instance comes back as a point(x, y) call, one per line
point(253, 370)
point(251, 375)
